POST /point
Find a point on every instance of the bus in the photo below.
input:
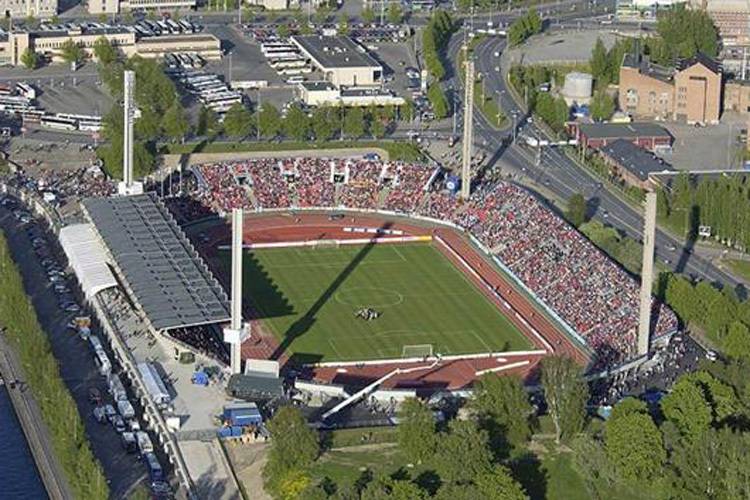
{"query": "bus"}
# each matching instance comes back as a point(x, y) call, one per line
point(222, 105)
point(102, 362)
point(295, 71)
point(90, 126)
point(281, 53)
point(59, 123)
point(73, 116)
point(292, 63)
point(221, 96)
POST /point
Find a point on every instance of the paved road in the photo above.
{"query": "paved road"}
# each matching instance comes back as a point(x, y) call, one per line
point(561, 177)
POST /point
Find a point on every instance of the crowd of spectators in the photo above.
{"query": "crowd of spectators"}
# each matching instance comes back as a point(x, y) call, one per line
point(67, 186)
point(205, 339)
point(577, 281)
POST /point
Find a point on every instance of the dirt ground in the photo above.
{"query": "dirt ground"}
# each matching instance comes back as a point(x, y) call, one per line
point(248, 461)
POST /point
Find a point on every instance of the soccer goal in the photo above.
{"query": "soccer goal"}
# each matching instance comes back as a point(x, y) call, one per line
point(417, 351)
point(323, 244)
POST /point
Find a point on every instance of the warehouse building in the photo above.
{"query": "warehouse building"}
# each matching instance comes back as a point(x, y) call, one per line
point(632, 164)
point(327, 94)
point(648, 136)
point(343, 62)
point(49, 43)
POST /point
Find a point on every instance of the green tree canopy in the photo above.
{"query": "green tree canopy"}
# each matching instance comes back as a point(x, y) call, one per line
point(684, 32)
point(395, 13)
point(736, 343)
point(634, 446)
point(325, 122)
point(688, 408)
point(238, 121)
point(524, 27)
point(71, 52)
point(438, 101)
point(387, 488)
point(599, 63)
point(503, 405)
point(269, 120)
point(175, 122)
point(566, 394)
point(463, 453)
point(499, 484)
point(104, 51)
point(30, 59)
point(602, 106)
point(208, 123)
point(368, 15)
point(354, 122)
point(297, 124)
point(416, 433)
point(577, 211)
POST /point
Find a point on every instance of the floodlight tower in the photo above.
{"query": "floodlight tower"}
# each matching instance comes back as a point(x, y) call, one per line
point(647, 273)
point(128, 186)
point(237, 332)
point(468, 136)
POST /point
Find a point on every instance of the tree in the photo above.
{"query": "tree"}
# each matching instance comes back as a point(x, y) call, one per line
point(498, 484)
point(325, 122)
point(297, 124)
point(599, 63)
point(128, 17)
point(395, 14)
point(71, 52)
point(377, 129)
point(566, 395)
point(683, 33)
point(354, 122)
point(368, 15)
point(687, 407)
point(387, 488)
point(269, 120)
point(144, 158)
point(438, 101)
point(30, 59)
point(463, 453)
point(634, 445)
point(343, 26)
point(736, 343)
point(282, 31)
point(208, 123)
point(238, 121)
point(294, 447)
point(577, 211)
point(503, 407)
point(104, 51)
point(175, 123)
point(602, 105)
point(416, 434)
point(524, 27)
point(699, 466)
point(590, 460)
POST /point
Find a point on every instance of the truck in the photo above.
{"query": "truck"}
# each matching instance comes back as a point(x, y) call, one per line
point(126, 409)
point(154, 384)
point(154, 467)
point(116, 388)
point(144, 442)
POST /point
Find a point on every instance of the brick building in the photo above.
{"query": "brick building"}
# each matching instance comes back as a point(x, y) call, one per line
point(632, 164)
point(648, 136)
point(729, 17)
point(690, 93)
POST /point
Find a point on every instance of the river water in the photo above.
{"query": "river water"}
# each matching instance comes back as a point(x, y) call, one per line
point(19, 478)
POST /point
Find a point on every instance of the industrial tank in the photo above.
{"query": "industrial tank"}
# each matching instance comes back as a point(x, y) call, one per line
point(578, 87)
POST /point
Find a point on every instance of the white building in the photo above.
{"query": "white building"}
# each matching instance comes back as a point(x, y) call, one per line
point(342, 61)
point(25, 8)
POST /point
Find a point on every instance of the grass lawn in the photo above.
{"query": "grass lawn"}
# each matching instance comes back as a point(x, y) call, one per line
point(309, 298)
point(346, 466)
point(741, 267)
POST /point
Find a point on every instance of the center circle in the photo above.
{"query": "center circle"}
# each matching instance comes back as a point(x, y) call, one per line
point(369, 297)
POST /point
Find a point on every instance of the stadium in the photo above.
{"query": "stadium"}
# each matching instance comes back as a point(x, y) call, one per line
point(354, 269)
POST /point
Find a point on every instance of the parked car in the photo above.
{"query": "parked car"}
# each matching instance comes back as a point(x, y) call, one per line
point(95, 397)
point(100, 415)
point(119, 424)
point(110, 412)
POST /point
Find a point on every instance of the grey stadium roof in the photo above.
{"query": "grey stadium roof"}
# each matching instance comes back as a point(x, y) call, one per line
point(335, 51)
point(166, 276)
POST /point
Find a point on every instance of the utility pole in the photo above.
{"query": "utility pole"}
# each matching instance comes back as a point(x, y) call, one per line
point(647, 274)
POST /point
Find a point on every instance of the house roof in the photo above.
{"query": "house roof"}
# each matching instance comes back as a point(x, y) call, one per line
point(710, 63)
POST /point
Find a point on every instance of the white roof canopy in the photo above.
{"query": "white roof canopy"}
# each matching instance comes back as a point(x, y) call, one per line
point(87, 257)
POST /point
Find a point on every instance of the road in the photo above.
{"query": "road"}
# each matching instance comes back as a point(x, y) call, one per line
point(560, 177)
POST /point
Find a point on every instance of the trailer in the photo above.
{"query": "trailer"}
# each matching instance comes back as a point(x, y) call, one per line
point(154, 384)
point(116, 388)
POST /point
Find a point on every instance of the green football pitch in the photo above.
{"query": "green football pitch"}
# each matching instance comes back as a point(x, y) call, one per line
point(309, 298)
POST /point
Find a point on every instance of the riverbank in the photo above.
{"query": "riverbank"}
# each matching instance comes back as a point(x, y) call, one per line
point(36, 432)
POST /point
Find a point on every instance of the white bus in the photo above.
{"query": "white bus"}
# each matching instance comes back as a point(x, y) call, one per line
point(102, 362)
point(59, 123)
point(220, 96)
point(291, 63)
point(295, 71)
point(89, 126)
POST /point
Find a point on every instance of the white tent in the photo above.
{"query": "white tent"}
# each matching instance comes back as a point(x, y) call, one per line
point(87, 257)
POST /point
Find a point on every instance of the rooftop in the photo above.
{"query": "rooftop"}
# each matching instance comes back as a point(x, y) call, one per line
point(164, 273)
point(636, 160)
point(623, 130)
point(317, 86)
point(709, 62)
point(646, 67)
point(335, 51)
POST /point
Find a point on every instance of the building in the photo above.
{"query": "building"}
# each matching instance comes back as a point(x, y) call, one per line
point(648, 136)
point(49, 43)
point(25, 8)
point(342, 61)
point(632, 164)
point(270, 4)
point(689, 93)
point(203, 44)
point(116, 6)
point(642, 10)
point(729, 16)
point(325, 93)
point(737, 96)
